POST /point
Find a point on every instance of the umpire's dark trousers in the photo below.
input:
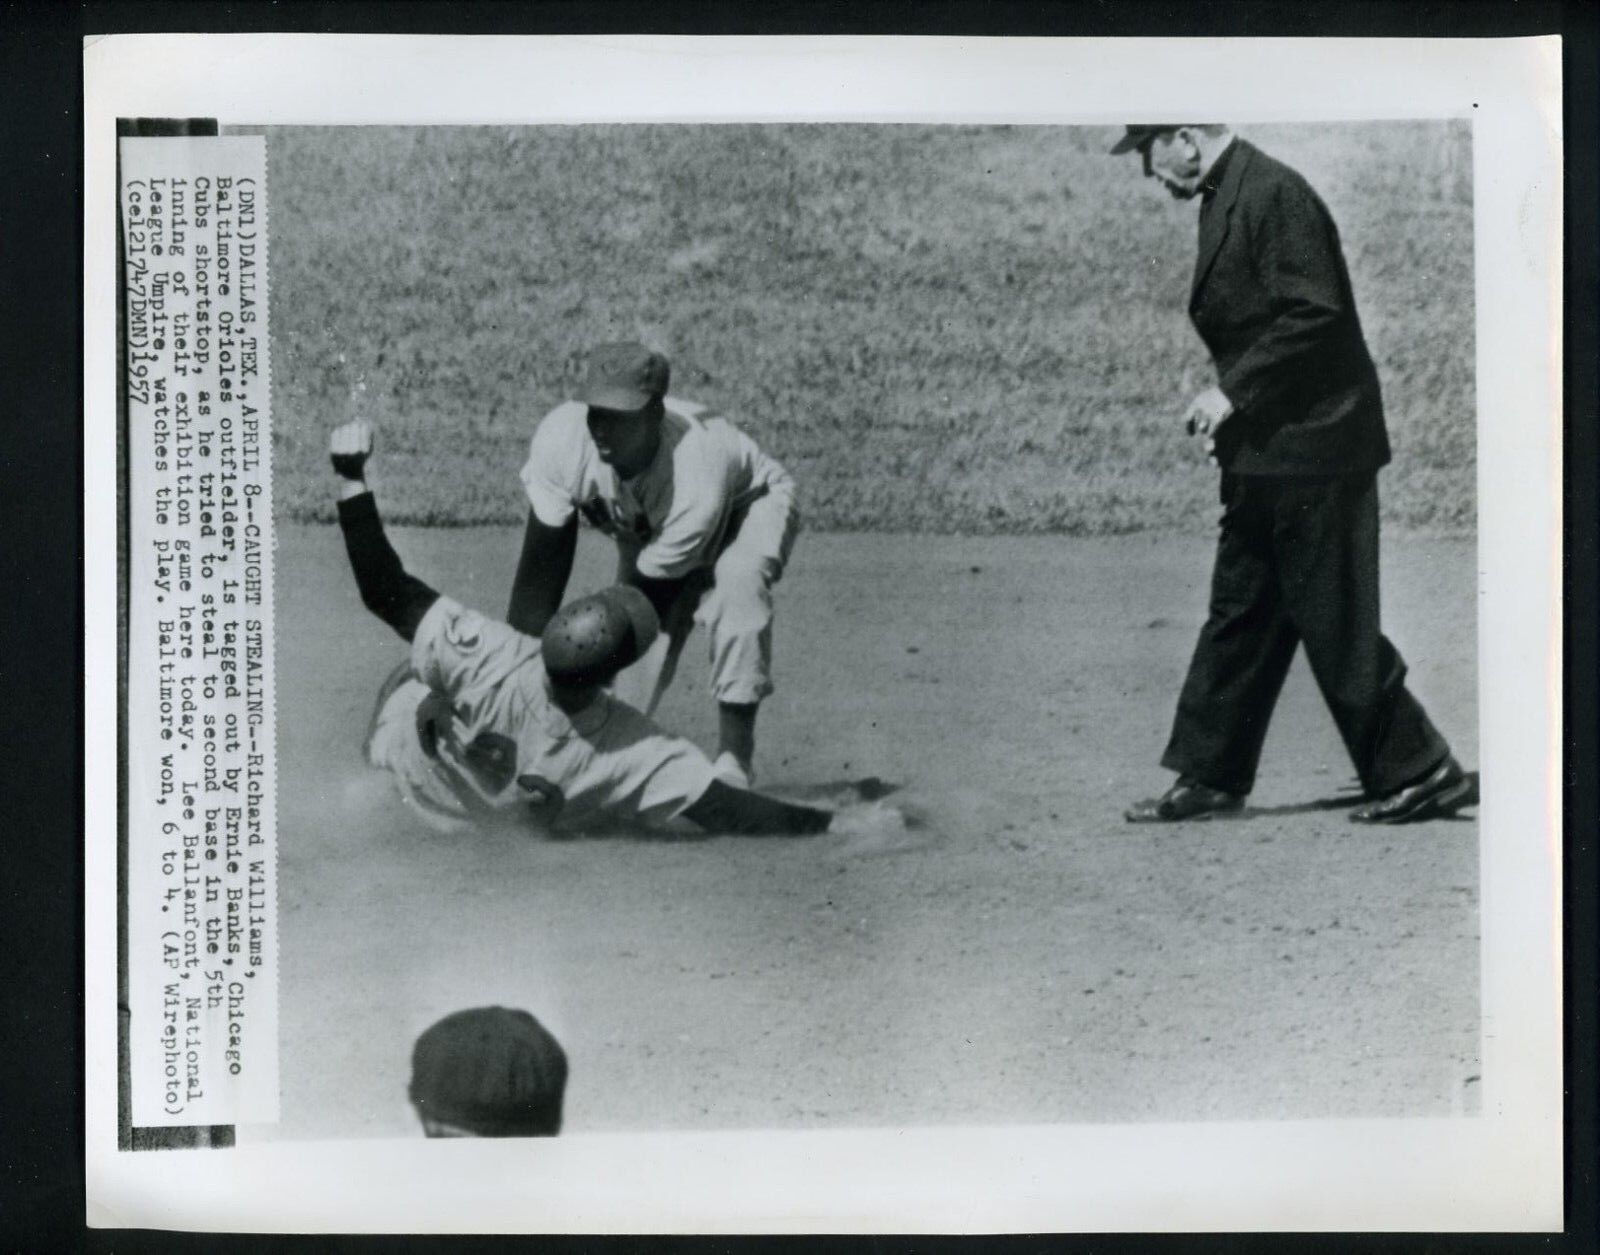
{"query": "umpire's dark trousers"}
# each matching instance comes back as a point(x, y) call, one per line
point(1297, 561)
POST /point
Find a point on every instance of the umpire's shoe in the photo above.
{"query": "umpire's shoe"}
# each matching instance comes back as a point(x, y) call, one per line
point(1186, 799)
point(1443, 791)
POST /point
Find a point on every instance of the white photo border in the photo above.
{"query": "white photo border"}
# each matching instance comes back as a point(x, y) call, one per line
point(1499, 1171)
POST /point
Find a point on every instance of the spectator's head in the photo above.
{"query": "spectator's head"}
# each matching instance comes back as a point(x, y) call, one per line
point(1177, 154)
point(624, 391)
point(488, 1072)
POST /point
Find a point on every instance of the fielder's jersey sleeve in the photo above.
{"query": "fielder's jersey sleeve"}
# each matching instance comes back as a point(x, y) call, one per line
point(698, 513)
point(716, 471)
point(553, 472)
point(466, 657)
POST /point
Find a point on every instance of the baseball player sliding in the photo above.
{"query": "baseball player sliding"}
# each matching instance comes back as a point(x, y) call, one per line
point(488, 722)
point(703, 521)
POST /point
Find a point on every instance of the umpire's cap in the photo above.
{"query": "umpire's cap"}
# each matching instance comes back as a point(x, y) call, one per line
point(1138, 134)
point(591, 639)
point(490, 1071)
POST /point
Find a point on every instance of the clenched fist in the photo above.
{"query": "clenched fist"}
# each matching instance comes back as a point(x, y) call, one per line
point(349, 447)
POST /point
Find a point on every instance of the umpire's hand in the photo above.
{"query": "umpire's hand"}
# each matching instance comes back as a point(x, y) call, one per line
point(349, 447)
point(1206, 415)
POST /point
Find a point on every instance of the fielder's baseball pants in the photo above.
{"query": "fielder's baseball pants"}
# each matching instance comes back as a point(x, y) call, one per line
point(732, 600)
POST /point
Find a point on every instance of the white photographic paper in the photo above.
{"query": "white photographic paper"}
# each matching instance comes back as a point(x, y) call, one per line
point(327, 1141)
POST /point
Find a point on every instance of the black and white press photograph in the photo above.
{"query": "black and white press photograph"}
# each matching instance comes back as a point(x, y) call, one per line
point(966, 626)
point(1033, 750)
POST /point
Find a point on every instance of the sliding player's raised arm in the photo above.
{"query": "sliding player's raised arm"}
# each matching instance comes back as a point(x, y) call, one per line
point(387, 588)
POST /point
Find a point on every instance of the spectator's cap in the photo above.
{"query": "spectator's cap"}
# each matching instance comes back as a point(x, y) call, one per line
point(491, 1071)
point(625, 377)
point(1138, 134)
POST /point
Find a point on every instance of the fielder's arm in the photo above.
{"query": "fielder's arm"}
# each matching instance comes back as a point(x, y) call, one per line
point(387, 588)
point(545, 567)
point(662, 594)
point(542, 573)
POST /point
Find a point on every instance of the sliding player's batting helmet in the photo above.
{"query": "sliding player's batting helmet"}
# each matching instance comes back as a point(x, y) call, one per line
point(591, 639)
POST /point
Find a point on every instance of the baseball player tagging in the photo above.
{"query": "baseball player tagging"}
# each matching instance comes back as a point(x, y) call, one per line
point(488, 722)
point(703, 520)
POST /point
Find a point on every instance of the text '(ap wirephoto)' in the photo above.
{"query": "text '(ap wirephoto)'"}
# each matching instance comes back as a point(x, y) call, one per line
point(201, 940)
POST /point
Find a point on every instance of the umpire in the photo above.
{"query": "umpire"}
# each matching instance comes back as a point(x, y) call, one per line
point(1296, 425)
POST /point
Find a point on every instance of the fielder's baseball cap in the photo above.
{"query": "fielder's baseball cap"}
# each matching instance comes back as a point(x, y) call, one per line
point(1138, 134)
point(491, 1071)
point(625, 377)
point(589, 640)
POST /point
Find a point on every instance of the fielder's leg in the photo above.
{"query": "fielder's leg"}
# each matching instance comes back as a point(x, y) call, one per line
point(736, 734)
point(737, 614)
point(643, 684)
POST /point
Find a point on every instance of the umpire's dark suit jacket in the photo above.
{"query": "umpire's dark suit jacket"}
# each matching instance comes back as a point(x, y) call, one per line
point(1272, 301)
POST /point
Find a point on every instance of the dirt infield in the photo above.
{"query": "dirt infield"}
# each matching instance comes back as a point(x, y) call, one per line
point(1026, 957)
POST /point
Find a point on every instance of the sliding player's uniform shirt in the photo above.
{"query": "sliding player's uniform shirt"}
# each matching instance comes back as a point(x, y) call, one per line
point(473, 734)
